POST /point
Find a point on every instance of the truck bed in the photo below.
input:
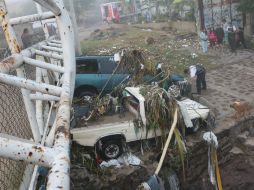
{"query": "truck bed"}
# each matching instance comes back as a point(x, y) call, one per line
point(109, 119)
point(111, 125)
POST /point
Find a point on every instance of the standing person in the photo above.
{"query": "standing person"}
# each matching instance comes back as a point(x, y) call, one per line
point(232, 38)
point(241, 37)
point(197, 72)
point(26, 38)
point(212, 37)
point(204, 40)
point(225, 29)
point(220, 35)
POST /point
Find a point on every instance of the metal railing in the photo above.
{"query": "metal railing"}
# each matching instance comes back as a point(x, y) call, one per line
point(34, 126)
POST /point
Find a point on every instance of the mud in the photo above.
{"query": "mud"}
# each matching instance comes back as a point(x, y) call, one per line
point(236, 159)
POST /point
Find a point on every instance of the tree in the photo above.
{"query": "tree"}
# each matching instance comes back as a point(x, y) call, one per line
point(246, 6)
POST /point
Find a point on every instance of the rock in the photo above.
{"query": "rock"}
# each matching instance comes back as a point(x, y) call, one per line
point(249, 143)
point(242, 137)
point(251, 132)
point(149, 40)
point(236, 150)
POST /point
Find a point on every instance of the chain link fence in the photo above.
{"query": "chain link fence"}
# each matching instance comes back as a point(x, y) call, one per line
point(13, 121)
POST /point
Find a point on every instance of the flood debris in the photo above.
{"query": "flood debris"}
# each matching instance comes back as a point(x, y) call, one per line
point(125, 159)
point(107, 33)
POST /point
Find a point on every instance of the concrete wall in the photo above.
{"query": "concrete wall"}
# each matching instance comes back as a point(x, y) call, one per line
point(249, 27)
point(217, 10)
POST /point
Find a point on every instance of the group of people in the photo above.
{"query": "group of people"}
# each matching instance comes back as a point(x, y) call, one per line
point(223, 34)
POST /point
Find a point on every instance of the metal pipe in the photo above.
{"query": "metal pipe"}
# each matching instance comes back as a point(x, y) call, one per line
point(44, 25)
point(49, 54)
point(56, 41)
point(44, 97)
point(30, 85)
point(31, 18)
point(26, 177)
point(60, 50)
point(38, 104)
point(52, 20)
point(50, 138)
point(19, 149)
point(54, 45)
point(59, 174)
point(33, 179)
point(50, 5)
point(43, 65)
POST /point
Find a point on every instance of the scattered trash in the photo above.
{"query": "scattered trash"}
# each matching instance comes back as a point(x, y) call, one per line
point(194, 55)
point(124, 160)
point(213, 165)
point(129, 159)
point(110, 163)
point(147, 30)
point(153, 183)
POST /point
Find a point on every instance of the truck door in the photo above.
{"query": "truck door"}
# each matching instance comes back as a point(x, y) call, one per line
point(88, 73)
point(107, 66)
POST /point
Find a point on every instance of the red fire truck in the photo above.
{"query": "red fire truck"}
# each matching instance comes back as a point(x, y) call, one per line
point(111, 12)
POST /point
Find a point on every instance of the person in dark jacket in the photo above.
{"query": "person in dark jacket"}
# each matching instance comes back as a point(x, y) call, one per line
point(241, 37)
point(232, 38)
point(197, 72)
point(26, 38)
point(220, 35)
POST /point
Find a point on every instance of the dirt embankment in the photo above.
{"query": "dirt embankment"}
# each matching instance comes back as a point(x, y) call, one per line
point(236, 159)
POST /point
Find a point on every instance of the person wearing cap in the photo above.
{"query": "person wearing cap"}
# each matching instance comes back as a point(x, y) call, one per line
point(197, 72)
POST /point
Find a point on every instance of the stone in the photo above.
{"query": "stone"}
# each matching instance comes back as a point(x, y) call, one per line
point(236, 150)
point(251, 132)
point(149, 40)
point(242, 137)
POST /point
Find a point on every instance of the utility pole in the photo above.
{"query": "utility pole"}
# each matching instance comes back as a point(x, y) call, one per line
point(230, 11)
point(212, 12)
point(201, 14)
point(75, 28)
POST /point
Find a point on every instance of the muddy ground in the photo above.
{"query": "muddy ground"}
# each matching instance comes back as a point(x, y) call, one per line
point(230, 77)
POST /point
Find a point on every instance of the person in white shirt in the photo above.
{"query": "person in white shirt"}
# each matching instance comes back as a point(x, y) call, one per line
point(198, 73)
point(204, 40)
point(225, 28)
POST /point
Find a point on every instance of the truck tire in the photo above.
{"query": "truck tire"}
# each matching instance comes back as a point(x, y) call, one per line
point(112, 149)
point(87, 93)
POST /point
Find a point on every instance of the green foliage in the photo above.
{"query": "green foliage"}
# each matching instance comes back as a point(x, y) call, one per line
point(246, 6)
point(181, 148)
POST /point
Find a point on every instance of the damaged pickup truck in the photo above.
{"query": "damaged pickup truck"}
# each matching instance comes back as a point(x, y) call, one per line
point(109, 134)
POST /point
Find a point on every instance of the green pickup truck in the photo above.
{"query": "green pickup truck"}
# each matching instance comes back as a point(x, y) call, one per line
point(93, 72)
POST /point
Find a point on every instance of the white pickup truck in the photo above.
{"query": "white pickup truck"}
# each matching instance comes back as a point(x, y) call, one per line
point(109, 133)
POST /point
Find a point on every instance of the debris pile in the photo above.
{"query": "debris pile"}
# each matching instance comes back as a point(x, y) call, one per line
point(111, 32)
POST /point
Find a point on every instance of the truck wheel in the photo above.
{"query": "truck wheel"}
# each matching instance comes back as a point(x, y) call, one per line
point(112, 149)
point(87, 94)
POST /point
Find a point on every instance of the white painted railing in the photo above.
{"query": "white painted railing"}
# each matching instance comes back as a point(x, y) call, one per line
point(47, 98)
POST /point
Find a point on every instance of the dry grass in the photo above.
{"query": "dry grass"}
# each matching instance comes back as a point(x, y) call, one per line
point(166, 49)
